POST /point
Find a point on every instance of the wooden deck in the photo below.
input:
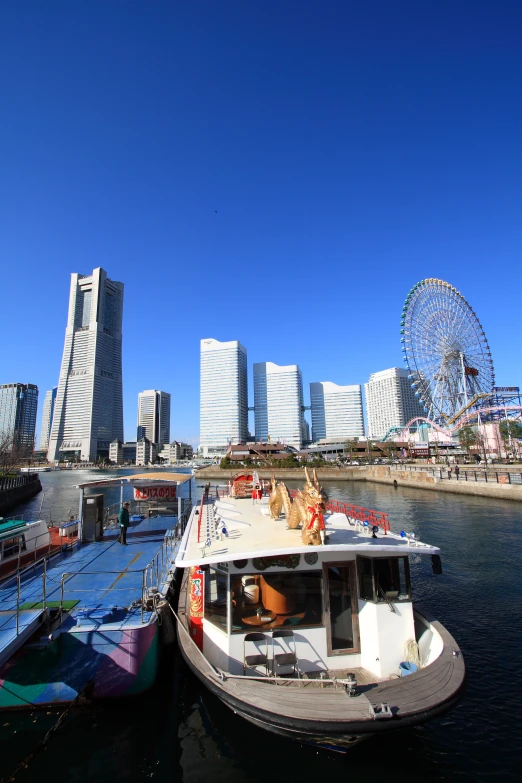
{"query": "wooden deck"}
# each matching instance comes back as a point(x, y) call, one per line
point(306, 707)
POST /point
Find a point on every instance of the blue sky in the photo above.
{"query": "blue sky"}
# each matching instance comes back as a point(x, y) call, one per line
point(281, 173)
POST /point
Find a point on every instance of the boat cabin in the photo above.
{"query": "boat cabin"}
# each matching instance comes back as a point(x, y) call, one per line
point(258, 594)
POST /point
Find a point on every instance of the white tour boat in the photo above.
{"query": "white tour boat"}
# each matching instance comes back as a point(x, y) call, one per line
point(304, 624)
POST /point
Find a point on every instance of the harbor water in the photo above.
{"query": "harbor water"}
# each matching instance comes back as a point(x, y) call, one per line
point(179, 732)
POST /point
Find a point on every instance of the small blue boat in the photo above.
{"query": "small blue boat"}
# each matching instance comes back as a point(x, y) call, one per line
point(91, 619)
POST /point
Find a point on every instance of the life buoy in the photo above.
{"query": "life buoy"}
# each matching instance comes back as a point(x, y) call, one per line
point(502, 480)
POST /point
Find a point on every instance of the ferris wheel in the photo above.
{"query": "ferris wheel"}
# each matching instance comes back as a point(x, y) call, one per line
point(445, 349)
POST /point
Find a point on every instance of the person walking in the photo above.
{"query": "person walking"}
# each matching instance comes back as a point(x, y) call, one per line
point(457, 471)
point(123, 521)
point(449, 472)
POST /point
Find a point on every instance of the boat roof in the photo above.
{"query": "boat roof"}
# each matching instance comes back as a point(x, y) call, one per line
point(252, 533)
point(140, 480)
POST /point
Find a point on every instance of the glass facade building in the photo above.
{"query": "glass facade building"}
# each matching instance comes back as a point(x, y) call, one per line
point(278, 403)
point(88, 412)
point(337, 411)
point(223, 395)
point(47, 418)
point(18, 408)
point(154, 416)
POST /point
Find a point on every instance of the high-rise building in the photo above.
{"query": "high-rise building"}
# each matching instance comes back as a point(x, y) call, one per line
point(47, 418)
point(88, 412)
point(223, 396)
point(278, 403)
point(390, 401)
point(154, 416)
point(337, 412)
point(18, 407)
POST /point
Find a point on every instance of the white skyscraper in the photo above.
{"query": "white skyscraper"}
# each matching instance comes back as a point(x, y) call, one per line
point(390, 401)
point(88, 412)
point(278, 403)
point(337, 412)
point(154, 416)
point(47, 418)
point(223, 395)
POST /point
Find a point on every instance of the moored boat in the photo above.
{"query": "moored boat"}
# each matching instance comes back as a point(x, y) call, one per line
point(91, 620)
point(304, 623)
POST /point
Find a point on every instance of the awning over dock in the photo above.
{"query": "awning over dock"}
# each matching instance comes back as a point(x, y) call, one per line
point(140, 480)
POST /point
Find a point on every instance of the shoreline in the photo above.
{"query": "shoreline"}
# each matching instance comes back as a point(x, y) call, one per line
point(382, 474)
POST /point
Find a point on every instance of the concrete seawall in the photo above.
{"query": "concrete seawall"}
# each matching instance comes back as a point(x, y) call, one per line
point(10, 498)
point(379, 474)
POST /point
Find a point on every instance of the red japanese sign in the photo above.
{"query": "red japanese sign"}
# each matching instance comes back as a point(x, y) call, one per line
point(155, 493)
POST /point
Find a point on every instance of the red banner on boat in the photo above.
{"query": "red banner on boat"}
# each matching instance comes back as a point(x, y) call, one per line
point(155, 493)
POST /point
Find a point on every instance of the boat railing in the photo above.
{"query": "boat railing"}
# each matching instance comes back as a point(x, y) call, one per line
point(273, 678)
point(143, 507)
point(153, 575)
point(52, 550)
point(356, 513)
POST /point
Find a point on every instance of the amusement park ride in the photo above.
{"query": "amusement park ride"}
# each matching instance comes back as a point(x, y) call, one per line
point(450, 367)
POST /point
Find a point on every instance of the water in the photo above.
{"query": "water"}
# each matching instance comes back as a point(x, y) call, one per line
point(179, 732)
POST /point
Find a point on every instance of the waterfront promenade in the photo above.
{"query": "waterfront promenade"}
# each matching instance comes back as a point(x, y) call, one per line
point(491, 483)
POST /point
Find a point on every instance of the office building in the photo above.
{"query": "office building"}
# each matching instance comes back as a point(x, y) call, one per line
point(146, 452)
point(88, 412)
point(175, 451)
point(47, 418)
point(122, 453)
point(223, 396)
point(278, 403)
point(18, 407)
point(390, 401)
point(337, 411)
point(154, 416)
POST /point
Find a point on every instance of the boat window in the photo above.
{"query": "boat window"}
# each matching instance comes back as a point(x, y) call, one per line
point(384, 579)
point(276, 600)
point(10, 546)
point(216, 598)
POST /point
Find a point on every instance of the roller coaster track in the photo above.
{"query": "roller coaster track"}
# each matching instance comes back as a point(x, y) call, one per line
point(465, 419)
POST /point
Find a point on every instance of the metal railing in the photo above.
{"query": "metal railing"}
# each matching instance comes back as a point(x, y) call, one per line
point(356, 513)
point(464, 474)
point(153, 575)
point(273, 678)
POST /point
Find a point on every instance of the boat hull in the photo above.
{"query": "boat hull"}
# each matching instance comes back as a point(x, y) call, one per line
point(100, 665)
point(335, 733)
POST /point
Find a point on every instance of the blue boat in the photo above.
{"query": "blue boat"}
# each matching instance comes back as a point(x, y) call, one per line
point(91, 619)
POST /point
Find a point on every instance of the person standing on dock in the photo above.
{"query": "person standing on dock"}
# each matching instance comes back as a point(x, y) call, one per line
point(123, 521)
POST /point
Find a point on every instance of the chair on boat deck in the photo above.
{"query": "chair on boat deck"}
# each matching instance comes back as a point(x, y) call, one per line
point(257, 658)
point(287, 657)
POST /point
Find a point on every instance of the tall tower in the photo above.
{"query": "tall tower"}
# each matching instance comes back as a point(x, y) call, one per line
point(278, 403)
point(337, 411)
point(88, 412)
point(154, 416)
point(223, 395)
point(390, 401)
point(47, 418)
point(18, 406)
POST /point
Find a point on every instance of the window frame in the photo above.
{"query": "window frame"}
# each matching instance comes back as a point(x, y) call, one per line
point(224, 628)
point(270, 628)
point(375, 598)
point(351, 565)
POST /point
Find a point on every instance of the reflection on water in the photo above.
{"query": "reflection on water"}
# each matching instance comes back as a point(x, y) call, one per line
point(179, 732)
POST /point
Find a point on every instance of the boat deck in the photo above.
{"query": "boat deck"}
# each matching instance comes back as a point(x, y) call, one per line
point(101, 581)
point(305, 706)
point(251, 529)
